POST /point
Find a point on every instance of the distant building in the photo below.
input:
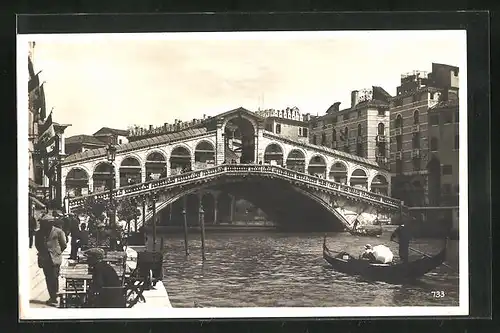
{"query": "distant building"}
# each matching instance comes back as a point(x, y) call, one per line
point(82, 142)
point(361, 129)
point(421, 115)
point(112, 135)
point(288, 123)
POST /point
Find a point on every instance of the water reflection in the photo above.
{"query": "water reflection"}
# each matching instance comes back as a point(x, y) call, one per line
point(245, 270)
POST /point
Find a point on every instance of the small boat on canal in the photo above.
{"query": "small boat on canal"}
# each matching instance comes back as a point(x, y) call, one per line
point(392, 273)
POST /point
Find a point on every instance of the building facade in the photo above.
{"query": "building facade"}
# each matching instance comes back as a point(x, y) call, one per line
point(288, 123)
point(112, 135)
point(361, 129)
point(421, 115)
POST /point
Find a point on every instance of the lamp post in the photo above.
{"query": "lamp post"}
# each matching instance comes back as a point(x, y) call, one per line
point(111, 155)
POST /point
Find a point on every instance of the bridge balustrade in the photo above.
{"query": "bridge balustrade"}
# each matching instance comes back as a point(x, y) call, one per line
point(241, 169)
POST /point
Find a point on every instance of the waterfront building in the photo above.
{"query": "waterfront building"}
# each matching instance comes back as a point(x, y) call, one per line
point(80, 143)
point(424, 137)
point(361, 129)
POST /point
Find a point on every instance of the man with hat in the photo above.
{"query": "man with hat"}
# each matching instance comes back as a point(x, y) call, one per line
point(50, 243)
point(404, 237)
point(103, 275)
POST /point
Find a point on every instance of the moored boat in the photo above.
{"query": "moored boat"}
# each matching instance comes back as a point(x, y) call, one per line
point(393, 273)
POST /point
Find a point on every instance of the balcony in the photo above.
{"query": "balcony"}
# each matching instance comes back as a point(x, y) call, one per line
point(415, 153)
point(415, 128)
point(381, 138)
point(398, 155)
point(398, 131)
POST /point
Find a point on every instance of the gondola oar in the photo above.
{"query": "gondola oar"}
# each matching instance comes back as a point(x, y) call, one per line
point(427, 255)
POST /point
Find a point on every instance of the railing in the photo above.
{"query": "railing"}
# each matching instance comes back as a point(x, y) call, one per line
point(241, 169)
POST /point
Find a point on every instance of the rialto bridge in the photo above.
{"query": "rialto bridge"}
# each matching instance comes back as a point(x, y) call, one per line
point(294, 183)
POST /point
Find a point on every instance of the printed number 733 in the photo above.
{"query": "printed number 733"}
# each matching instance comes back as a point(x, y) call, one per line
point(438, 294)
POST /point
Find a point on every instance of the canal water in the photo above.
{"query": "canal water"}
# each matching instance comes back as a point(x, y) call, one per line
point(288, 270)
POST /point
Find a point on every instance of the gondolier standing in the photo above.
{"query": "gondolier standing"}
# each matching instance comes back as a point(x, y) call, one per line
point(404, 237)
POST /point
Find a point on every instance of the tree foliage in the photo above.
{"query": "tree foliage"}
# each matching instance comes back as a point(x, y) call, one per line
point(127, 210)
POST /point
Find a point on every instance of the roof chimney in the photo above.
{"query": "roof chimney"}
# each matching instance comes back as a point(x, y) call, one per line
point(150, 127)
point(354, 98)
point(336, 107)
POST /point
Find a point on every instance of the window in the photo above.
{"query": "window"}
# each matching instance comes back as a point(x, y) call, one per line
point(304, 132)
point(434, 119)
point(119, 141)
point(360, 132)
point(415, 117)
point(346, 133)
point(381, 112)
point(278, 128)
point(398, 122)
point(381, 129)
point(448, 117)
point(434, 144)
point(300, 131)
point(269, 127)
point(334, 135)
point(457, 118)
point(457, 141)
point(314, 139)
point(447, 169)
point(323, 139)
point(399, 143)
point(416, 141)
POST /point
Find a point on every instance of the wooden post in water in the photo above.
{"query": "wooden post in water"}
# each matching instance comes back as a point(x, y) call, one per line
point(154, 222)
point(161, 244)
point(185, 228)
point(202, 227)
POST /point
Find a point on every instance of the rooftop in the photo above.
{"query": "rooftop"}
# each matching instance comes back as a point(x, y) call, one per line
point(143, 143)
point(108, 130)
point(83, 138)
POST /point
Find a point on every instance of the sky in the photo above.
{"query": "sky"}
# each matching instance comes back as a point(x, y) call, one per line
point(121, 80)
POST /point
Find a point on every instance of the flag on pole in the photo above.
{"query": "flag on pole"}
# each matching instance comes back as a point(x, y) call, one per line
point(40, 103)
point(34, 82)
point(47, 133)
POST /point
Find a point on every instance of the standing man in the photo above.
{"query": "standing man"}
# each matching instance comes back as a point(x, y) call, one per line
point(404, 237)
point(50, 243)
point(32, 229)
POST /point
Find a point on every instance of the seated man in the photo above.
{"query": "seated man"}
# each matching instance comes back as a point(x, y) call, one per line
point(103, 275)
point(368, 254)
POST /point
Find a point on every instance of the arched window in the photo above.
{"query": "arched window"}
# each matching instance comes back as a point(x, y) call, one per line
point(398, 122)
point(346, 133)
point(360, 132)
point(323, 139)
point(381, 129)
point(314, 139)
point(415, 117)
point(434, 144)
point(334, 135)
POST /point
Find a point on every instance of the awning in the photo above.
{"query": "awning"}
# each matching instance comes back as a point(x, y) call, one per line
point(37, 202)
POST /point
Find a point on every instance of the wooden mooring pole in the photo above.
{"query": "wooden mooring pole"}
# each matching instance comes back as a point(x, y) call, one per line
point(186, 247)
point(154, 223)
point(202, 227)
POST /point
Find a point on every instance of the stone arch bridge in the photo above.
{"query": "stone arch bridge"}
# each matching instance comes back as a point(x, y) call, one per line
point(293, 182)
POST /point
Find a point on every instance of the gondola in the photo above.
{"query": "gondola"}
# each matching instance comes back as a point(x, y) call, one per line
point(392, 273)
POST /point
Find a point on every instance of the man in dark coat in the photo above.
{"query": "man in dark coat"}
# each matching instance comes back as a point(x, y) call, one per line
point(103, 276)
point(404, 237)
point(50, 243)
point(32, 229)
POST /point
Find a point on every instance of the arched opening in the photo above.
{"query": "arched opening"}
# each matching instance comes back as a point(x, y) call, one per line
point(381, 129)
point(434, 181)
point(180, 160)
point(434, 144)
point(317, 166)
point(398, 122)
point(204, 155)
point(296, 160)
point(338, 173)
point(360, 130)
point(156, 166)
point(334, 138)
point(103, 174)
point(314, 140)
point(380, 185)
point(77, 182)
point(416, 117)
point(130, 171)
point(273, 154)
point(359, 179)
point(239, 141)
point(224, 203)
point(208, 203)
